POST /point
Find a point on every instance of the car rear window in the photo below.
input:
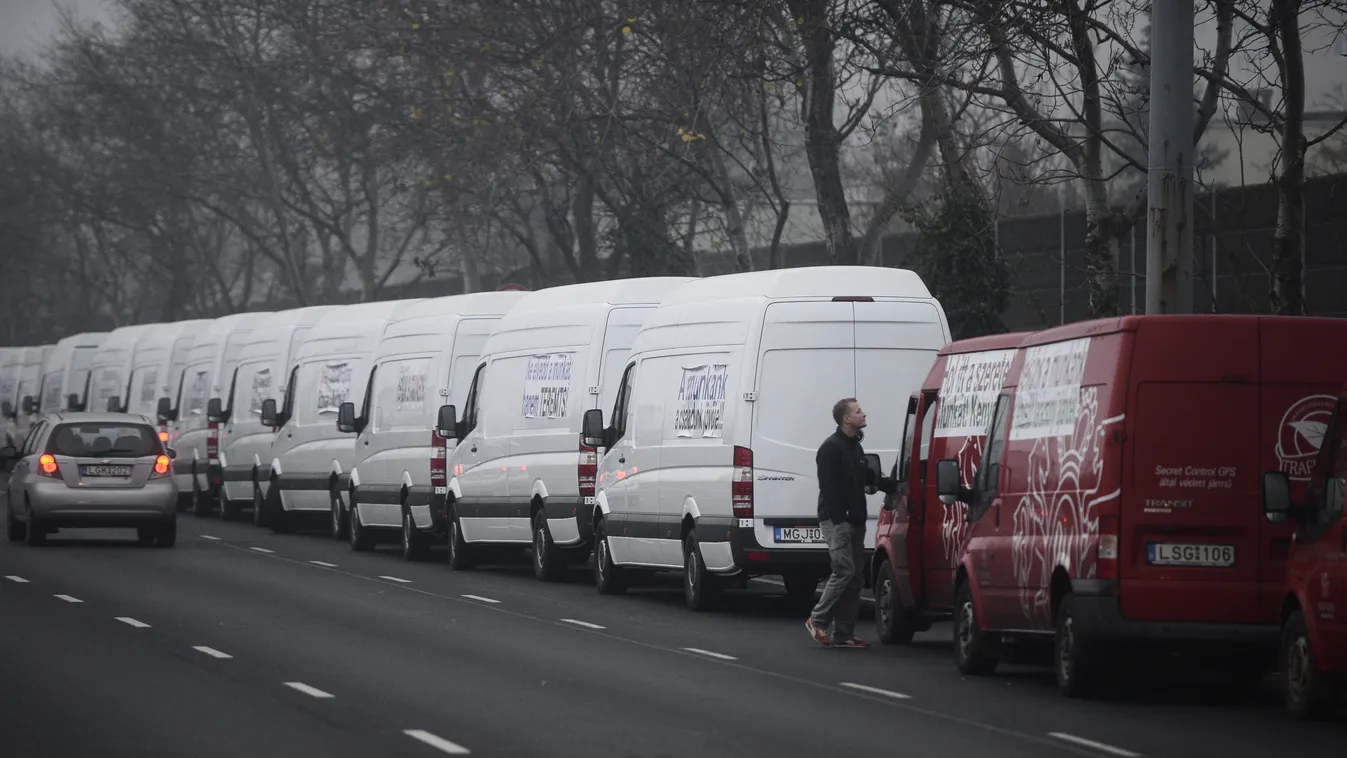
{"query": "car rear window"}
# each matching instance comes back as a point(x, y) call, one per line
point(105, 440)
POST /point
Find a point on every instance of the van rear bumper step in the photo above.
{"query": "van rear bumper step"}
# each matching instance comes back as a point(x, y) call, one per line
point(1097, 616)
point(766, 561)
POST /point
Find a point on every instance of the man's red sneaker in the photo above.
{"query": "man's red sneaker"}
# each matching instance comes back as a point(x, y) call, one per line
point(820, 636)
point(851, 642)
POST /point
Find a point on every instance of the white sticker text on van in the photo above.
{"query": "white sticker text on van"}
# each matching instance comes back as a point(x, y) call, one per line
point(260, 391)
point(1047, 401)
point(968, 392)
point(411, 389)
point(547, 385)
point(334, 386)
point(700, 411)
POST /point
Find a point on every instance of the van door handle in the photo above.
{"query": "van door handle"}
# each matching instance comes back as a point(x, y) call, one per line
point(474, 448)
point(622, 459)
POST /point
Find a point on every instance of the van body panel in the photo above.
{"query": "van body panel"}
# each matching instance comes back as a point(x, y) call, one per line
point(66, 369)
point(158, 354)
point(31, 366)
point(110, 369)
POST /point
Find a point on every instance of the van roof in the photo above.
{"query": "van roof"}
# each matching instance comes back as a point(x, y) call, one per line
point(85, 339)
point(472, 304)
point(379, 309)
point(127, 334)
point(1008, 341)
point(309, 315)
point(234, 321)
point(807, 281)
point(1100, 326)
point(639, 291)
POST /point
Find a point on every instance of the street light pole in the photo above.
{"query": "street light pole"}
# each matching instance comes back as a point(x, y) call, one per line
point(1169, 238)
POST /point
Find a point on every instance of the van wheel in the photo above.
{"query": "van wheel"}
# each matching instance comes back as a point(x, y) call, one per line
point(608, 577)
point(415, 546)
point(1075, 659)
point(893, 622)
point(971, 650)
point(461, 556)
point(1303, 687)
point(16, 531)
point(230, 510)
point(341, 522)
point(361, 539)
point(549, 565)
point(200, 503)
point(701, 588)
point(259, 506)
point(278, 519)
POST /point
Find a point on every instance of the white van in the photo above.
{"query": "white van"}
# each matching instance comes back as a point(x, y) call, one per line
point(709, 463)
point(210, 363)
point(311, 461)
point(424, 361)
point(31, 363)
point(245, 443)
point(11, 360)
point(156, 369)
point(521, 476)
point(66, 372)
point(109, 379)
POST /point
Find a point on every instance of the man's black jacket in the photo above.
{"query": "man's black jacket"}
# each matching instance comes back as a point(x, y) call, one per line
point(842, 479)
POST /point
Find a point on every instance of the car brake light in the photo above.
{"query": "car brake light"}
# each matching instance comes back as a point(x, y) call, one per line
point(438, 462)
point(1108, 548)
point(741, 487)
point(161, 466)
point(46, 466)
point(586, 470)
point(163, 436)
point(855, 299)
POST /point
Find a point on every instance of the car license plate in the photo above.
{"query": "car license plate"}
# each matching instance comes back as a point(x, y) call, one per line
point(803, 534)
point(1171, 554)
point(98, 471)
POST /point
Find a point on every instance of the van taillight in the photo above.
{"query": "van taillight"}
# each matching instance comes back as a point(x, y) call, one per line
point(1108, 548)
point(741, 487)
point(853, 299)
point(213, 443)
point(439, 458)
point(586, 470)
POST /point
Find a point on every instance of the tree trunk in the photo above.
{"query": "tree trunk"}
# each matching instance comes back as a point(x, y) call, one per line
point(1101, 253)
point(1287, 294)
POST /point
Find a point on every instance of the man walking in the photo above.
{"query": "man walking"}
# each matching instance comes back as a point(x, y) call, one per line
point(843, 479)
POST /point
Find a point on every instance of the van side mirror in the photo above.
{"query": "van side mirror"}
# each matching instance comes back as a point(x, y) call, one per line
point(7, 409)
point(446, 423)
point(215, 411)
point(114, 404)
point(171, 452)
point(72, 402)
point(592, 428)
point(269, 413)
point(29, 405)
point(165, 410)
point(346, 418)
point(876, 467)
point(948, 483)
point(1276, 496)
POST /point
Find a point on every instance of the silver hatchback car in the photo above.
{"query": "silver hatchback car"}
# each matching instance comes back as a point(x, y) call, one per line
point(94, 470)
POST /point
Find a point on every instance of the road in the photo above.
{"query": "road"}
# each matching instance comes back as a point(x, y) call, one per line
point(240, 642)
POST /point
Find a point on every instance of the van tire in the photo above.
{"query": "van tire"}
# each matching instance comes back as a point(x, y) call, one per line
point(278, 519)
point(341, 522)
point(200, 503)
point(701, 588)
point(461, 557)
point(1075, 660)
point(16, 531)
point(259, 506)
point(549, 564)
point(972, 651)
point(609, 578)
point(893, 623)
point(415, 546)
point(230, 510)
point(362, 539)
point(1304, 691)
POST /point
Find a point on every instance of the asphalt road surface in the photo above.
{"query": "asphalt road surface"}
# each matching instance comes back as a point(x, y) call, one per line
point(242, 643)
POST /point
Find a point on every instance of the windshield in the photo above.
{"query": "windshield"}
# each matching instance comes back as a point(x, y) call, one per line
point(105, 440)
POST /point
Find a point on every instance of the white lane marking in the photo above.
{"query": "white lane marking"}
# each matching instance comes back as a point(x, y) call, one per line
point(307, 690)
point(396, 579)
point(17, 579)
point(70, 599)
point(585, 624)
point(209, 537)
point(721, 656)
point(876, 691)
point(212, 652)
point(439, 743)
point(1101, 747)
point(483, 599)
point(132, 622)
point(324, 565)
point(261, 550)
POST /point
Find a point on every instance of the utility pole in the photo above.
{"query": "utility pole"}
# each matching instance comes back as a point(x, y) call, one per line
point(1169, 238)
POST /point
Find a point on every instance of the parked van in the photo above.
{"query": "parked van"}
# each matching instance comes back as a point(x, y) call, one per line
point(210, 363)
point(310, 463)
point(727, 394)
point(11, 360)
point(1117, 500)
point(1313, 658)
point(108, 385)
point(919, 540)
point(29, 388)
point(521, 476)
point(158, 364)
point(245, 443)
point(66, 371)
point(425, 360)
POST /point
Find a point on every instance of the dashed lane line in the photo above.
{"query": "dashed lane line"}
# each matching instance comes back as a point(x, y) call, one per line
point(17, 579)
point(875, 691)
point(263, 550)
point(585, 624)
point(708, 653)
point(439, 743)
point(210, 537)
point(133, 622)
point(1100, 746)
point(324, 564)
point(212, 652)
point(483, 599)
point(69, 599)
point(397, 579)
point(307, 690)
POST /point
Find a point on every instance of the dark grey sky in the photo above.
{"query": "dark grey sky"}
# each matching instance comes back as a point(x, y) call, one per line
point(26, 25)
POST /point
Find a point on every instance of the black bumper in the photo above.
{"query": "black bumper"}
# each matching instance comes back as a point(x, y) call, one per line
point(754, 559)
point(1097, 615)
point(573, 509)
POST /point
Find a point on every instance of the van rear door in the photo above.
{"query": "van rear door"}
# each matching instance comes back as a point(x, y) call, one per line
point(1189, 542)
point(1302, 375)
point(806, 362)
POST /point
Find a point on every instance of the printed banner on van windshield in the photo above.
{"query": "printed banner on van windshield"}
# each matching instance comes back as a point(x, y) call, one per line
point(700, 411)
point(261, 390)
point(547, 385)
point(968, 392)
point(1047, 400)
point(108, 380)
point(196, 397)
point(411, 389)
point(334, 386)
point(148, 385)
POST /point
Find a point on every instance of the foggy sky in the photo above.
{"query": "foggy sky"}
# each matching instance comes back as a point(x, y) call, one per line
point(27, 25)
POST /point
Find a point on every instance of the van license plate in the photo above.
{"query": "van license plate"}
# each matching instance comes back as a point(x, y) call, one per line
point(1170, 554)
point(96, 471)
point(803, 534)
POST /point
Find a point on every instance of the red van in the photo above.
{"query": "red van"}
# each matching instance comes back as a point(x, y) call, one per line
point(1118, 500)
point(1314, 602)
point(919, 539)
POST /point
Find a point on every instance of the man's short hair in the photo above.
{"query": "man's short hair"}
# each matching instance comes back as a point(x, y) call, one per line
point(841, 408)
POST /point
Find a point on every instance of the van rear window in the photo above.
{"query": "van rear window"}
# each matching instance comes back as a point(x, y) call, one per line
point(105, 440)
